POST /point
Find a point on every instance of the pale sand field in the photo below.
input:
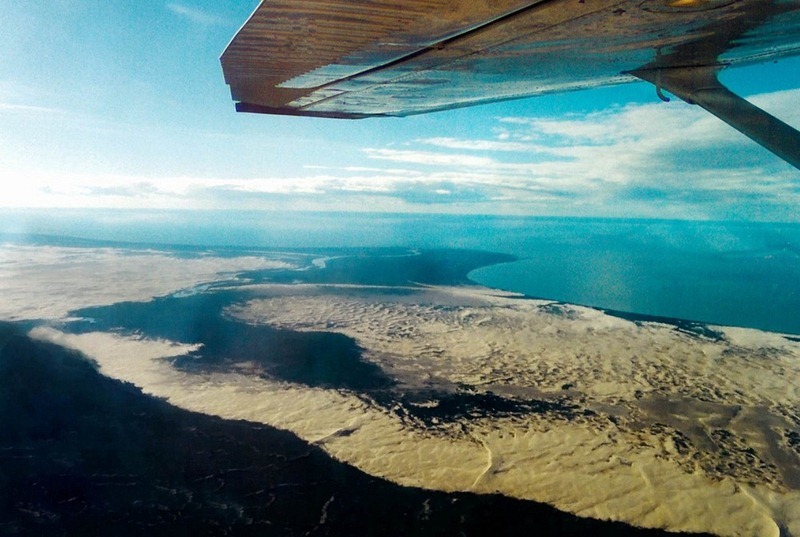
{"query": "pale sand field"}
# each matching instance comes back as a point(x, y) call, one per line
point(45, 282)
point(668, 429)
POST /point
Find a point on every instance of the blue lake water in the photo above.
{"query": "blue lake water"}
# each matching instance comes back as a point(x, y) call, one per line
point(740, 274)
point(723, 273)
point(748, 280)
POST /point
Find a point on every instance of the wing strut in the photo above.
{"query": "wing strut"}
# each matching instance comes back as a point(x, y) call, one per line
point(700, 85)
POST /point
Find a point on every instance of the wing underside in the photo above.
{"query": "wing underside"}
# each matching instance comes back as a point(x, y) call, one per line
point(355, 59)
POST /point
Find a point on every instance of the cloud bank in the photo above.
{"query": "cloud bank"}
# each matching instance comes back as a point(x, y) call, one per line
point(639, 160)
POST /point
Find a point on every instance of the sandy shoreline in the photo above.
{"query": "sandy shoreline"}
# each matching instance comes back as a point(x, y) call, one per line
point(677, 431)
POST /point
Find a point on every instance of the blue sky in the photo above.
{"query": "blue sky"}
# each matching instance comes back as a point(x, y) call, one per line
point(120, 104)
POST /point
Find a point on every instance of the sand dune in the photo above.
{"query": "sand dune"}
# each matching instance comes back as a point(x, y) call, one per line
point(622, 420)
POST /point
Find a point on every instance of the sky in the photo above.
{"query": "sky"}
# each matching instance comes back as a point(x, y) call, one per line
point(122, 105)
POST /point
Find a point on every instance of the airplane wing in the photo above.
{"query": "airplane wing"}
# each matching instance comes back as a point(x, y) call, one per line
point(363, 58)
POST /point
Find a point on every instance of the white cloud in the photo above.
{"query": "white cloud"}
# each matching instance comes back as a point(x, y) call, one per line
point(195, 15)
point(486, 145)
point(644, 160)
point(783, 104)
point(428, 158)
point(28, 109)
